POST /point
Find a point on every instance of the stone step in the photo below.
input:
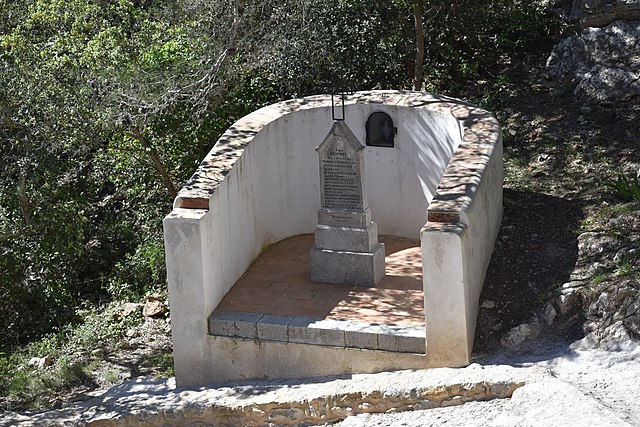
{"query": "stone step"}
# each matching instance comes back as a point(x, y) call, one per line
point(318, 331)
point(318, 401)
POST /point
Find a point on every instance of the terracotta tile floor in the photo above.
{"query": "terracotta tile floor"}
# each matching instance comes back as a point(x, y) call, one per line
point(278, 283)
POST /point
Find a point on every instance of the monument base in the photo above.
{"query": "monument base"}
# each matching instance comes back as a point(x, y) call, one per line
point(347, 268)
point(348, 239)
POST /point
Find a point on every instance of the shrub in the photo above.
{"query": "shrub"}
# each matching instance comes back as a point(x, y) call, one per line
point(626, 188)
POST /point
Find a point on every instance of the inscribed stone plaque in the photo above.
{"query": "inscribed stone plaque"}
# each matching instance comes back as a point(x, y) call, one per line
point(341, 171)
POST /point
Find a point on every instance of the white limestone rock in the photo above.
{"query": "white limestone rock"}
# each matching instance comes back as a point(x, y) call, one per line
point(129, 308)
point(549, 314)
point(518, 335)
point(597, 13)
point(602, 63)
point(40, 362)
point(153, 309)
point(488, 304)
point(566, 302)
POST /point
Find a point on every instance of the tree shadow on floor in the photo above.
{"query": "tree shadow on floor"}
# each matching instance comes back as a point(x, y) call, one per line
point(535, 252)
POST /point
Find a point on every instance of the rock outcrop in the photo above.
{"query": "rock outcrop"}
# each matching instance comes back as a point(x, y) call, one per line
point(601, 64)
point(597, 13)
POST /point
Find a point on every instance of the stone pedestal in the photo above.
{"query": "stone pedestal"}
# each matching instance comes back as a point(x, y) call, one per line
point(346, 249)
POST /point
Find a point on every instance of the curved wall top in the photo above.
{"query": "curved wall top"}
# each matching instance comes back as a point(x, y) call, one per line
point(442, 148)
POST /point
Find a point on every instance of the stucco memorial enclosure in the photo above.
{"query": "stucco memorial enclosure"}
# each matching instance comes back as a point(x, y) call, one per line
point(440, 183)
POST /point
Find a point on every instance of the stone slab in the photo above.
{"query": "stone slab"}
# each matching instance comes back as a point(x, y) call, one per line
point(341, 170)
point(402, 339)
point(362, 335)
point(317, 331)
point(234, 324)
point(347, 238)
point(344, 218)
point(273, 327)
point(347, 268)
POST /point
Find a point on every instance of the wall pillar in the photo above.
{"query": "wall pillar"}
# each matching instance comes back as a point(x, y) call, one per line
point(446, 308)
point(183, 237)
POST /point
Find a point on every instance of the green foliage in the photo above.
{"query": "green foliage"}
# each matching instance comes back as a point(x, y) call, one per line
point(523, 27)
point(162, 362)
point(107, 107)
point(316, 45)
point(32, 387)
point(624, 268)
point(33, 390)
point(598, 278)
point(74, 216)
point(139, 273)
point(467, 39)
point(364, 45)
point(626, 188)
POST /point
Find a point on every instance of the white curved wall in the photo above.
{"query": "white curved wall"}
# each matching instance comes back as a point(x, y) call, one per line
point(278, 174)
point(260, 184)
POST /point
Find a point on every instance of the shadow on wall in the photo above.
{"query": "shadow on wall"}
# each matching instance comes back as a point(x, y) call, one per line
point(433, 146)
point(535, 252)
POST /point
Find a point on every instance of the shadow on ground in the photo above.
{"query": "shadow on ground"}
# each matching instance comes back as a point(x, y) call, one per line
point(535, 252)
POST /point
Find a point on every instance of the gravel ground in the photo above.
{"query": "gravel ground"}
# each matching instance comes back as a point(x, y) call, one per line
point(591, 382)
point(594, 387)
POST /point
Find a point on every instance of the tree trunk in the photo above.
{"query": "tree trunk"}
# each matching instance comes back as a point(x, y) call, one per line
point(419, 62)
point(157, 162)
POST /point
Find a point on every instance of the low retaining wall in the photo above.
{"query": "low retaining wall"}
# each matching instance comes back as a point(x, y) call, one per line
point(441, 182)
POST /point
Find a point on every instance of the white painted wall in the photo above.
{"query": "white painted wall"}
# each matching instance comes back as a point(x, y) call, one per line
point(279, 174)
point(455, 257)
point(483, 219)
point(271, 192)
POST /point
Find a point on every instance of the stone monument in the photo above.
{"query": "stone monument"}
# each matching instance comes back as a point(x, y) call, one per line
point(346, 249)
